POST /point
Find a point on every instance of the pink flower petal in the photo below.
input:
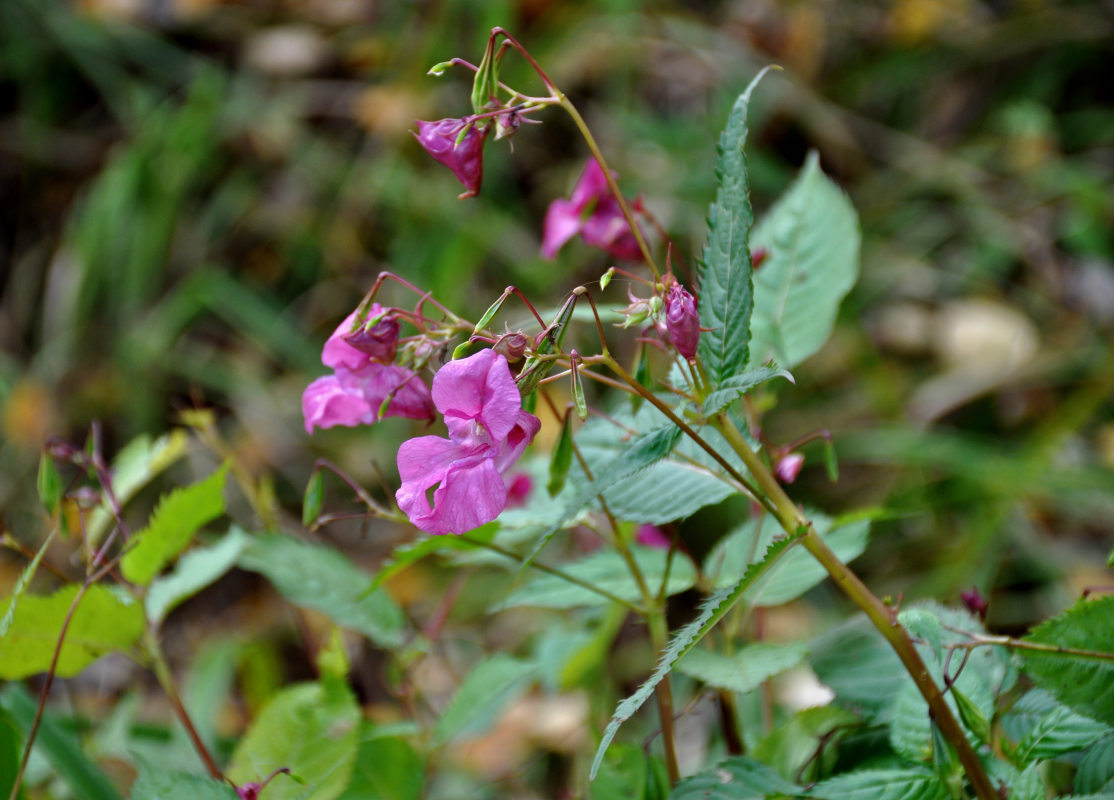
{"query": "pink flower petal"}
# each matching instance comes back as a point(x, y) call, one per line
point(477, 389)
point(326, 403)
point(562, 222)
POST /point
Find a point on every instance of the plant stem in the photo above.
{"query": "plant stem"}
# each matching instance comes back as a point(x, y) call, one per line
point(883, 618)
point(663, 692)
point(624, 206)
point(166, 680)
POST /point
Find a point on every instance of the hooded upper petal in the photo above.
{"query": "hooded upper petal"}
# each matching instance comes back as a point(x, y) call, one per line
point(478, 389)
point(326, 403)
point(462, 154)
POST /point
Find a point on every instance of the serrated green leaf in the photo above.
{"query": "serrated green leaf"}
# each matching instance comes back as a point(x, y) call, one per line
point(195, 570)
point(387, 768)
point(856, 662)
point(745, 670)
point(1086, 684)
point(726, 292)
point(1096, 768)
point(640, 453)
point(312, 728)
point(799, 571)
point(132, 469)
point(106, 619)
point(317, 577)
point(489, 688)
point(736, 386)
point(59, 745)
point(562, 459)
point(608, 571)
point(737, 778)
point(924, 625)
point(156, 783)
point(882, 784)
point(1028, 784)
point(1060, 731)
point(21, 584)
point(178, 516)
point(812, 236)
point(686, 638)
point(623, 775)
point(314, 499)
point(49, 484)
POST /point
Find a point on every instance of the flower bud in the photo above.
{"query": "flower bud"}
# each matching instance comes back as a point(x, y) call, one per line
point(512, 345)
point(682, 320)
point(757, 256)
point(507, 124)
point(459, 145)
point(378, 340)
point(975, 602)
point(788, 467)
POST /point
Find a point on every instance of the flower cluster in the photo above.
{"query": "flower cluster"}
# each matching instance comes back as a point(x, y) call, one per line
point(488, 430)
point(364, 380)
point(594, 213)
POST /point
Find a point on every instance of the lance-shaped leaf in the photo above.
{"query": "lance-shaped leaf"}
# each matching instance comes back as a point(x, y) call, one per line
point(197, 569)
point(737, 385)
point(106, 619)
point(711, 612)
point(726, 293)
point(812, 236)
point(178, 516)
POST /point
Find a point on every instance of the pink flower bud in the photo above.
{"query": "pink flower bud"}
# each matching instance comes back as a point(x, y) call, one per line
point(757, 256)
point(512, 345)
point(682, 320)
point(459, 145)
point(379, 342)
point(652, 536)
point(788, 467)
point(974, 602)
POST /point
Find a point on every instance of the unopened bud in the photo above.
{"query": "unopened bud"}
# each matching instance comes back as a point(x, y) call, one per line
point(507, 124)
point(974, 602)
point(757, 256)
point(682, 320)
point(459, 145)
point(788, 467)
point(377, 339)
point(512, 345)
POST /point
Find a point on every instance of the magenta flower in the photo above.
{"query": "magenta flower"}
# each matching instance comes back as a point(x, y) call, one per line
point(682, 320)
point(488, 430)
point(463, 155)
point(653, 536)
point(594, 213)
point(363, 379)
point(788, 467)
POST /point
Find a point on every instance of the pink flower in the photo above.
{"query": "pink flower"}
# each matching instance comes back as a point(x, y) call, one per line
point(488, 430)
point(464, 156)
point(594, 213)
point(363, 379)
point(652, 536)
point(682, 320)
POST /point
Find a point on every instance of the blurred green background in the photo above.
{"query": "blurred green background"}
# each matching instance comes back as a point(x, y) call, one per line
point(195, 192)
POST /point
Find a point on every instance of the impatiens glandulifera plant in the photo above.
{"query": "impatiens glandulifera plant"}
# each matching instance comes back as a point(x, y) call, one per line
point(924, 703)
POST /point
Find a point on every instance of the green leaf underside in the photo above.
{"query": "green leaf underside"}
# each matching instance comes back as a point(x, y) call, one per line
point(745, 670)
point(640, 453)
point(323, 579)
point(737, 778)
point(726, 292)
point(491, 685)
point(1096, 768)
point(195, 570)
point(686, 638)
point(411, 552)
point(106, 619)
point(132, 469)
point(312, 728)
point(857, 663)
point(605, 570)
point(798, 572)
point(59, 745)
point(178, 516)
point(812, 237)
point(882, 784)
point(736, 386)
point(1086, 684)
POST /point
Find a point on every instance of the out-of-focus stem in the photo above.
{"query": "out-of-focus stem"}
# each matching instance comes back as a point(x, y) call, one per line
point(659, 634)
point(882, 617)
point(166, 680)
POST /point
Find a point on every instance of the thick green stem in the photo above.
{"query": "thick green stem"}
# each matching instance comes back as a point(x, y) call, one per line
point(882, 617)
point(624, 206)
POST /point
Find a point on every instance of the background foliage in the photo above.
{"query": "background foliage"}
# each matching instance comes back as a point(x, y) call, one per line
point(194, 193)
